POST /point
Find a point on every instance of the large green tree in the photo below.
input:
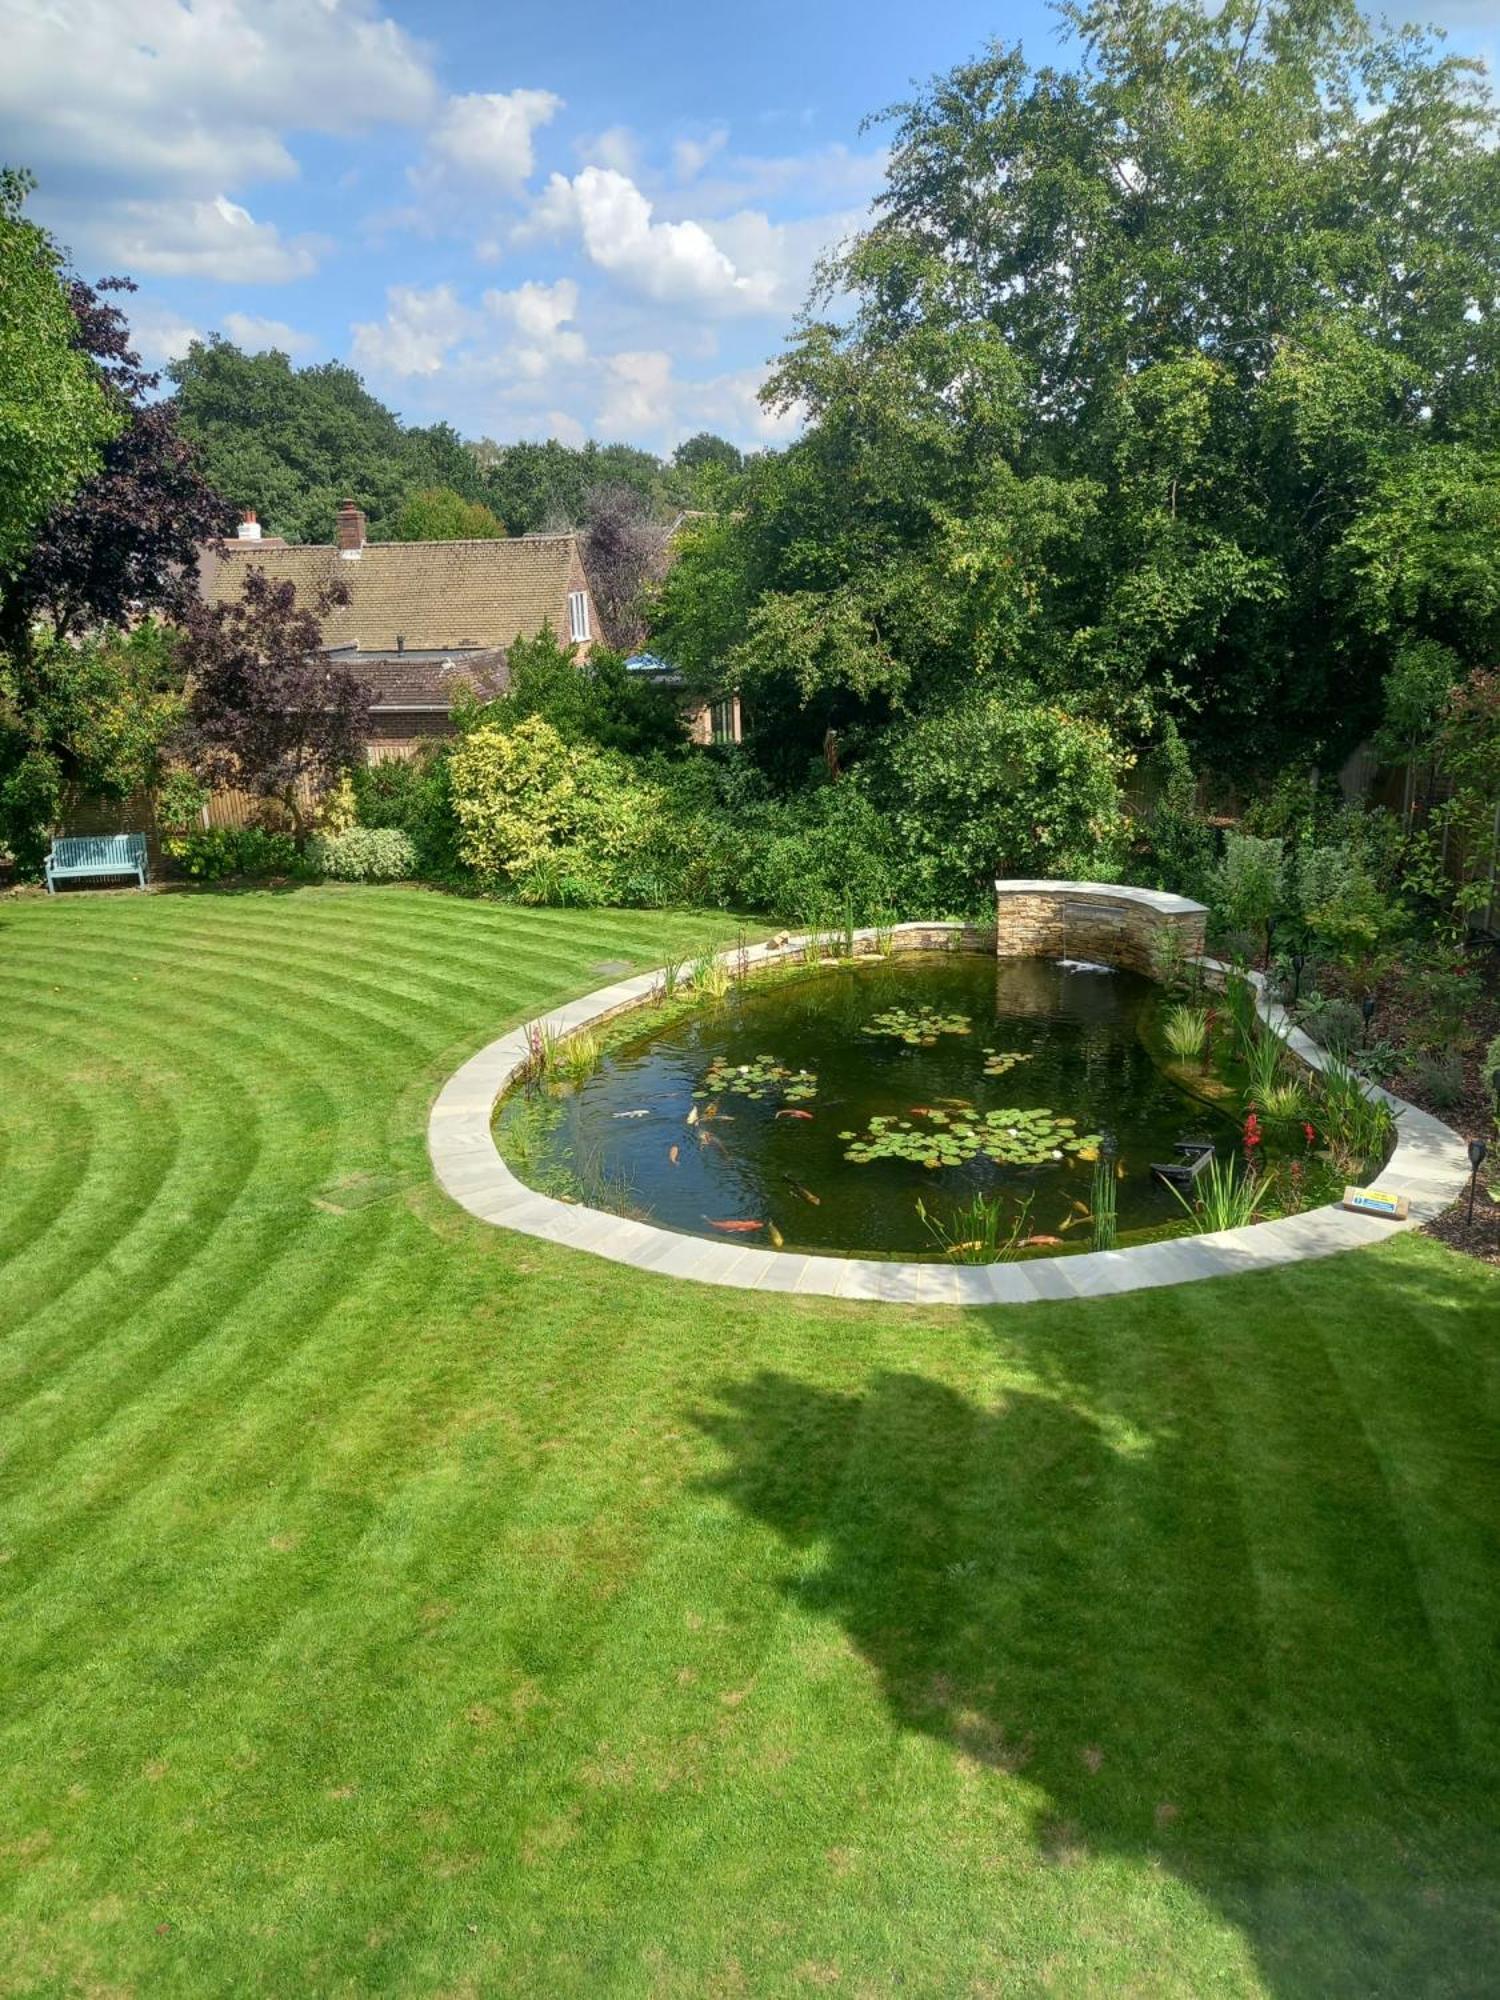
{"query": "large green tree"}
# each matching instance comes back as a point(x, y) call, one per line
point(1134, 349)
point(292, 442)
point(55, 414)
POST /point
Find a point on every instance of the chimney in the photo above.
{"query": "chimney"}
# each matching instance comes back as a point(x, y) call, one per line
point(351, 535)
point(249, 528)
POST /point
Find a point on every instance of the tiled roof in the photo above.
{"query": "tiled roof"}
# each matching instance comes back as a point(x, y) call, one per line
point(434, 595)
point(428, 680)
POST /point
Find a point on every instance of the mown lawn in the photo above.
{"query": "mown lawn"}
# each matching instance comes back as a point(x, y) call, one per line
point(392, 1605)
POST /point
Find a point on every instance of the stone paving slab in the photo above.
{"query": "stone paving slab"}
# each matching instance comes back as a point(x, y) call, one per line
point(1430, 1165)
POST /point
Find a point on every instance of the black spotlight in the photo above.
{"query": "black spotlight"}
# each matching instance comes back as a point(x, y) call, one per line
point(1367, 1008)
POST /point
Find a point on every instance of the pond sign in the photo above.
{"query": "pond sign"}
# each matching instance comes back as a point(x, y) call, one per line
point(1377, 1201)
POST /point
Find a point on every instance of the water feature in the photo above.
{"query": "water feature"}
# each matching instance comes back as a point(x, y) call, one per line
point(862, 1107)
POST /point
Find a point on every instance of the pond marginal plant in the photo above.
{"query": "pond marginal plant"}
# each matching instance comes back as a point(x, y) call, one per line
point(1225, 1197)
point(918, 1027)
point(575, 1057)
point(710, 975)
point(1358, 1127)
point(1283, 1101)
point(762, 1078)
point(1011, 1138)
point(975, 1232)
point(1102, 1210)
point(1186, 1032)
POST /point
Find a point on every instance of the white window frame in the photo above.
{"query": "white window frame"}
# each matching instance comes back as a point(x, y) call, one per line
point(578, 617)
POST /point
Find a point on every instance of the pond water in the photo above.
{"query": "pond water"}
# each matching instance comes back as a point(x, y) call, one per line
point(815, 1109)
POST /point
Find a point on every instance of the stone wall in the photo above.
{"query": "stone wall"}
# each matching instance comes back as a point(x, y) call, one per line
point(1092, 920)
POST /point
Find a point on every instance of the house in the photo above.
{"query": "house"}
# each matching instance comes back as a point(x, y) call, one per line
point(425, 619)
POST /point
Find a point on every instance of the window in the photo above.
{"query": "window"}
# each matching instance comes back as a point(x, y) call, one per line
point(722, 719)
point(578, 616)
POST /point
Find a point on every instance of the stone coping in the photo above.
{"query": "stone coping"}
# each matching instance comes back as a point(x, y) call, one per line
point(1430, 1166)
point(1165, 905)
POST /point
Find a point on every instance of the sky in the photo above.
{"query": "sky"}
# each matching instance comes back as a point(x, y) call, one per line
point(571, 220)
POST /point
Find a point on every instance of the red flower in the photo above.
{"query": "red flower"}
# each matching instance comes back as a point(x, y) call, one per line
point(1252, 1130)
point(1309, 1134)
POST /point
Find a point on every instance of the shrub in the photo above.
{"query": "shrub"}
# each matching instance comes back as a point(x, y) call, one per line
point(559, 822)
point(1341, 903)
point(180, 798)
point(829, 853)
point(1180, 840)
point(363, 854)
point(1440, 1079)
point(415, 795)
point(1001, 785)
point(1250, 883)
point(213, 854)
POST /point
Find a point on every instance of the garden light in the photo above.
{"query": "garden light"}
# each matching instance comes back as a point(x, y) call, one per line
point(1367, 1008)
point(1477, 1151)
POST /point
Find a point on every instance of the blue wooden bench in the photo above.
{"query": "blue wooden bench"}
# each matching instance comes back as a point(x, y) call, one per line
point(96, 854)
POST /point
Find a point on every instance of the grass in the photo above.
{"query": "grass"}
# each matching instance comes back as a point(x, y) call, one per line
point(395, 1605)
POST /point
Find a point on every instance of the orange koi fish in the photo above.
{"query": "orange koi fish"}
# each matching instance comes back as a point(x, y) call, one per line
point(1041, 1242)
point(672, 1154)
point(806, 1194)
point(794, 1114)
point(739, 1226)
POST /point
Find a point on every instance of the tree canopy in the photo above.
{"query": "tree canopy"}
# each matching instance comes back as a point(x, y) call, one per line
point(292, 442)
point(438, 514)
point(1162, 379)
point(55, 414)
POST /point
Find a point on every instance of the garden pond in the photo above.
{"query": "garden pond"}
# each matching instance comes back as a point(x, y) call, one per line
point(944, 1105)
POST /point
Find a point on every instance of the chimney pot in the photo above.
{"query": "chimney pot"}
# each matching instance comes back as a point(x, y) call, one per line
point(249, 528)
point(351, 531)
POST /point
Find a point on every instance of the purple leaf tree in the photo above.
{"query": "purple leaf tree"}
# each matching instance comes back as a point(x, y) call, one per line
point(267, 712)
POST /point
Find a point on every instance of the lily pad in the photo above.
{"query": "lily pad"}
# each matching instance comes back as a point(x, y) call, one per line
point(1010, 1137)
point(918, 1027)
point(762, 1078)
point(998, 1062)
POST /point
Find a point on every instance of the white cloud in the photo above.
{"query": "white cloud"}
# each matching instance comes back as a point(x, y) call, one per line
point(831, 177)
point(418, 334)
point(256, 335)
point(206, 239)
point(691, 156)
point(138, 113)
point(617, 147)
point(487, 137)
point(158, 334)
point(540, 314)
point(637, 394)
point(672, 263)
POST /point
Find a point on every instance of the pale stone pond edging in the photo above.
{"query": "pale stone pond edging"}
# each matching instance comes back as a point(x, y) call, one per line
point(1430, 1164)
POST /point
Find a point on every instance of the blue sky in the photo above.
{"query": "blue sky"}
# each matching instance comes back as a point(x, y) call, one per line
point(572, 220)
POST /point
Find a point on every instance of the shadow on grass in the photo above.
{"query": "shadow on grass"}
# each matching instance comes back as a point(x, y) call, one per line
point(1208, 1654)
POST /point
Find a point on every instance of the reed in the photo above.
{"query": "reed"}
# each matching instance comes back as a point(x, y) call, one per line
point(1225, 1197)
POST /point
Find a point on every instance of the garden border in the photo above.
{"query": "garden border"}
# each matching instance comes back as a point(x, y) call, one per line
point(1430, 1166)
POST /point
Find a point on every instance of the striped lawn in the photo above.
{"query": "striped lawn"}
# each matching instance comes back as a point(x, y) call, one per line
point(392, 1605)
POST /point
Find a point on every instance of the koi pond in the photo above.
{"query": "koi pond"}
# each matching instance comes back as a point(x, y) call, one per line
point(944, 1105)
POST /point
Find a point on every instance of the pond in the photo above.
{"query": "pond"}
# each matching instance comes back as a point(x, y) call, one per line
point(862, 1107)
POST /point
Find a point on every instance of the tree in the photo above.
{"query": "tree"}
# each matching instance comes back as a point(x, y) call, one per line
point(99, 714)
point(55, 415)
point(597, 702)
point(438, 514)
point(1130, 348)
point(624, 550)
point(707, 448)
point(267, 713)
point(292, 442)
point(543, 488)
point(127, 540)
